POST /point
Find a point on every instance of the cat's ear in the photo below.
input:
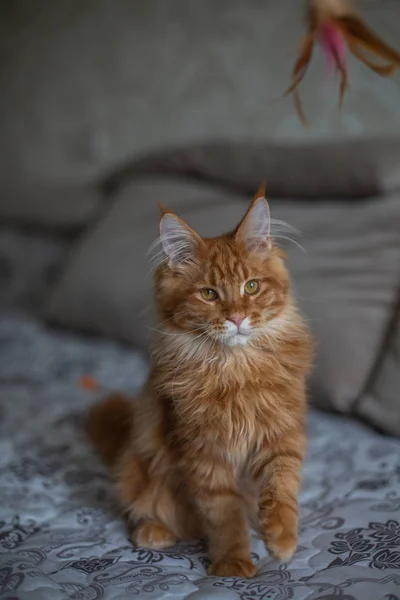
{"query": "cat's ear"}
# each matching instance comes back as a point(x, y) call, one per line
point(254, 229)
point(179, 241)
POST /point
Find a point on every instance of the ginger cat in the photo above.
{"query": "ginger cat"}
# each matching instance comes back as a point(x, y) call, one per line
point(217, 437)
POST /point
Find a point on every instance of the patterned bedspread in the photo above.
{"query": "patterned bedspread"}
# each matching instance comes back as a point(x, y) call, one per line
point(60, 533)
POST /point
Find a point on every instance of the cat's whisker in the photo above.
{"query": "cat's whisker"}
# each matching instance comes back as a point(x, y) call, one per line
point(200, 324)
point(167, 320)
point(158, 254)
point(279, 225)
point(215, 357)
point(153, 246)
point(286, 237)
point(258, 339)
point(279, 228)
point(201, 346)
point(263, 335)
point(163, 332)
point(191, 341)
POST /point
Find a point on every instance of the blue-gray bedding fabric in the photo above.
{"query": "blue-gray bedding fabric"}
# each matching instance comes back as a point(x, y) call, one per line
point(61, 536)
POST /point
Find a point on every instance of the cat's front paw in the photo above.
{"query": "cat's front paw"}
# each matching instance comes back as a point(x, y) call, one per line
point(283, 547)
point(233, 567)
point(280, 533)
point(154, 535)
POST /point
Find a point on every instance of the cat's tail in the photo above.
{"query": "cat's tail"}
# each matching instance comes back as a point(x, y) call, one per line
point(109, 425)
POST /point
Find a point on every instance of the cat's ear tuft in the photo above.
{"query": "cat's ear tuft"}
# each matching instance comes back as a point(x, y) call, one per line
point(179, 241)
point(254, 229)
point(163, 210)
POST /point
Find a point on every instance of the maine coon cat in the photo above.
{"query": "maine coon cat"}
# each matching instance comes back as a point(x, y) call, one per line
point(217, 437)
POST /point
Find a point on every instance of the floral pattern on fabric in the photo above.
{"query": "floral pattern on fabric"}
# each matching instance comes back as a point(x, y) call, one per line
point(61, 536)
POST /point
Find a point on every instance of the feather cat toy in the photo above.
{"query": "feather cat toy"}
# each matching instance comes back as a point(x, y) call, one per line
point(339, 29)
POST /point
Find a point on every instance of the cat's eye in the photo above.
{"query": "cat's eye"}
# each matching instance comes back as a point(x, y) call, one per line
point(251, 287)
point(208, 294)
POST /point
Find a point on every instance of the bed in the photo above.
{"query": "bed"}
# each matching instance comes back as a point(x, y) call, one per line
point(61, 535)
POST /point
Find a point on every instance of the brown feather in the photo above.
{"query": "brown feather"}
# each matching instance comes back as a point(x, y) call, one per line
point(298, 74)
point(301, 65)
point(355, 27)
point(384, 70)
point(299, 109)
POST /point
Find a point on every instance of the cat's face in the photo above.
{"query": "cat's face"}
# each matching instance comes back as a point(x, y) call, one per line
point(229, 289)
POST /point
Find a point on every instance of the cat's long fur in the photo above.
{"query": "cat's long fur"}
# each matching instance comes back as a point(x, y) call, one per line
point(217, 436)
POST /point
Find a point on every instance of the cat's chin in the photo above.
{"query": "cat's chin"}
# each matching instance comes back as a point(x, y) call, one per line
point(239, 339)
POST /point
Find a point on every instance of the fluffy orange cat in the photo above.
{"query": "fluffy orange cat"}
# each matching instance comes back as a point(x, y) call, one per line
point(216, 439)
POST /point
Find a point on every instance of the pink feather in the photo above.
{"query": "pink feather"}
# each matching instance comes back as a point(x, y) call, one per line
point(333, 46)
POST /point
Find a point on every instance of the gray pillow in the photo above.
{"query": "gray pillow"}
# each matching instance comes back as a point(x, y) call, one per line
point(346, 281)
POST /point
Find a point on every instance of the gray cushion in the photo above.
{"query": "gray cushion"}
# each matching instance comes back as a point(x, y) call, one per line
point(352, 169)
point(107, 285)
point(346, 283)
point(50, 205)
point(380, 404)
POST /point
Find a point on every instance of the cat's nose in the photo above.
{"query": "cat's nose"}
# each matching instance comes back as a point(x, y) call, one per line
point(237, 320)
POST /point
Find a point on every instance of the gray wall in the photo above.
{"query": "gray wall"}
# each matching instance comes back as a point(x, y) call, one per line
point(85, 84)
